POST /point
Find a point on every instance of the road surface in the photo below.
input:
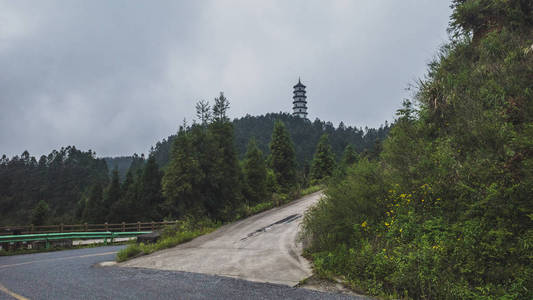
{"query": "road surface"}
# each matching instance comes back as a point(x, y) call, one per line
point(262, 248)
point(74, 274)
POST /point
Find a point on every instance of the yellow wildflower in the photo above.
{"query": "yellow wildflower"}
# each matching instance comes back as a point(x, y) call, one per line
point(364, 224)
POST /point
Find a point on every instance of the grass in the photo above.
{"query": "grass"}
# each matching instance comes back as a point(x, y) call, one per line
point(312, 189)
point(170, 237)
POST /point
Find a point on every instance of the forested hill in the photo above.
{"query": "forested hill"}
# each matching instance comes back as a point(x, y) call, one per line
point(59, 178)
point(304, 134)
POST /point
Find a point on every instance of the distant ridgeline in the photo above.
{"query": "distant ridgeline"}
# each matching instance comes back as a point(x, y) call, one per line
point(304, 134)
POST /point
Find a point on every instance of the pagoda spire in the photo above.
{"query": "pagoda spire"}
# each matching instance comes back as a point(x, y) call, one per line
point(299, 108)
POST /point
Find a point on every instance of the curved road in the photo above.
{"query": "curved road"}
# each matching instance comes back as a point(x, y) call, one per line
point(263, 248)
point(75, 274)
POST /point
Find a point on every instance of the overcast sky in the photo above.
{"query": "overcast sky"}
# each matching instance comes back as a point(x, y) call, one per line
point(117, 76)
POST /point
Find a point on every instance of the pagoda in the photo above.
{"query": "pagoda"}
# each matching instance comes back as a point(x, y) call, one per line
point(299, 108)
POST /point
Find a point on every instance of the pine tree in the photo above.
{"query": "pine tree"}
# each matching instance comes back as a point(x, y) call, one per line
point(96, 212)
point(226, 170)
point(203, 112)
point(182, 178)
point(112, 193)
point(150, 195)
point(255, 174)
point(324, 160)
point(124, 210)
point(40, 213)
point(282, 158)
point(349, 156)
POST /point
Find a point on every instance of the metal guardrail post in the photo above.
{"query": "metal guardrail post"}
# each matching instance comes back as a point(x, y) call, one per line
point(61, 228)
point(153, 228)
point(86, 227)
point(106, 228)
point(138, 226)
point(123, 226)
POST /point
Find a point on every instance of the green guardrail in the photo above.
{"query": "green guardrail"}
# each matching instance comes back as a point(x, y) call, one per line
point(47, 237)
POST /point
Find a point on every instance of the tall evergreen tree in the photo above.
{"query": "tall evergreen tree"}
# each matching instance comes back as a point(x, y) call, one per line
point(182, 178)
point(96, 212)
point(255, 174)
point(40, 213)
point(282, 158)
point(112, 193)
point(324, 160)
point(203, 112)
point(125, 210)
point(349, 156)
point(226, 169)
point(150, 196)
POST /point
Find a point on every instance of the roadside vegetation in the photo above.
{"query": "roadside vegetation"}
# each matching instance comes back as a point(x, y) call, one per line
point(445, 211)
point(171, 236)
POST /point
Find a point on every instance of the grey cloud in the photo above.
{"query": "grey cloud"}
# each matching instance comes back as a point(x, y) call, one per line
point(116, 76)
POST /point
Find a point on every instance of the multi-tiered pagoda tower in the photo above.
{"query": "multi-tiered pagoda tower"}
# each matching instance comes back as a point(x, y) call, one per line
point(299, 108)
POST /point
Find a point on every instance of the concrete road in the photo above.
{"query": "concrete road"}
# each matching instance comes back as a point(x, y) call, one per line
point(262, 248)
point(73, 274)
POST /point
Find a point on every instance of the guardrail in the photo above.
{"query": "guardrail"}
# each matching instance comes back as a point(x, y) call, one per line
point(85, 227)
point(47, 237)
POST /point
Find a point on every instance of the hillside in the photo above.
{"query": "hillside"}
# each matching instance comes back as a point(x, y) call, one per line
point(304, 133)
point(446, 211)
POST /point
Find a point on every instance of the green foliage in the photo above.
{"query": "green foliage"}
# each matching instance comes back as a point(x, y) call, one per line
point(324, 160)
point(446, 212)
point(183, 177)
point(349, 157)
point(95, 211)
point(204, 176)
point(305, 135)
point(282, 158)
point(151, 198)
point(255, 174)
point(112, 193)
point(120, 163)
point(61, 178)
point(40, 213)
point(173, 235)
point(129, 252)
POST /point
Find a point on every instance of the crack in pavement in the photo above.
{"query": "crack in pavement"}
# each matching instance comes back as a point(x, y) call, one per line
point(268, 227)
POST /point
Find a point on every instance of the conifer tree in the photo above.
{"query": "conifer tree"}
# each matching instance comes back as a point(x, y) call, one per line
point(324, 160)
point(349, 156)
point(124, 210)
point(226, 169)
point(112, 193)
point(255, 174)
point(96, 212)
point(182, 178)
point(40, 213)
point(282, 158)
point(151, 197)
point(203, 112)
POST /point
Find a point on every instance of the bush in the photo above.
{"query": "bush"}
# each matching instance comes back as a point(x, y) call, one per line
point(446, 211)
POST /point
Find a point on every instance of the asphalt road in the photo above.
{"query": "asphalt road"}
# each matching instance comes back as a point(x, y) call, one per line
point(262, 248)
point(72, 274)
